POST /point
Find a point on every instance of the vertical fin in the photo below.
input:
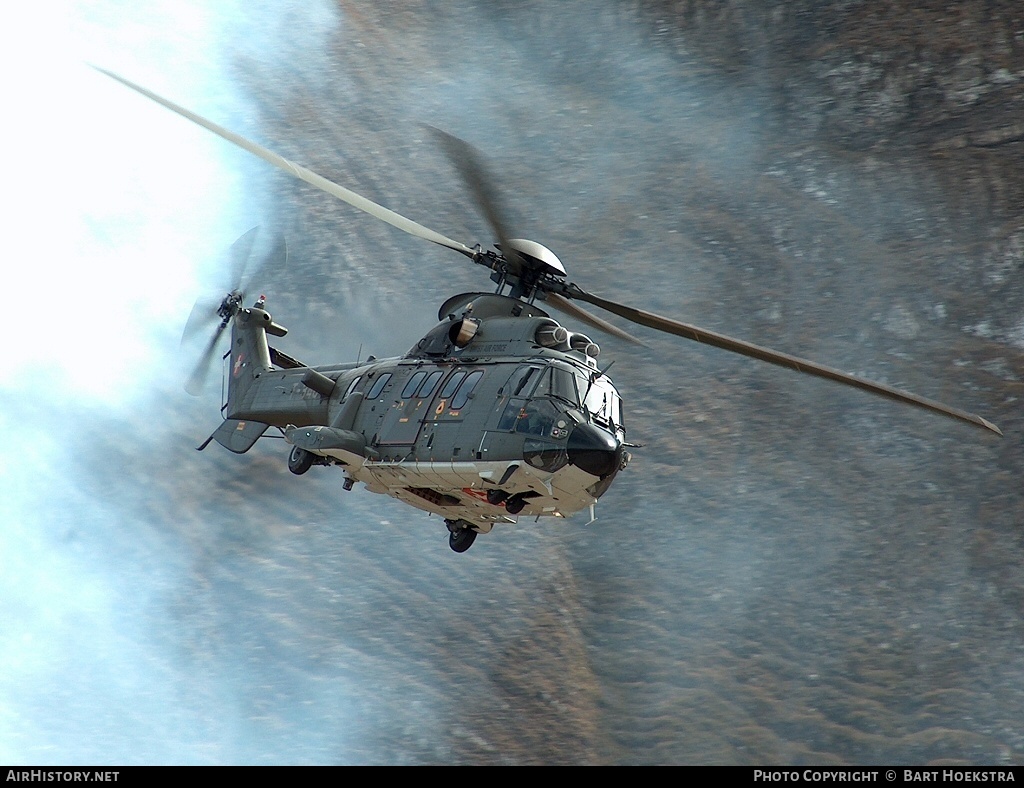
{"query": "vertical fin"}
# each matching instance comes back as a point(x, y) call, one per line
point(249, 356)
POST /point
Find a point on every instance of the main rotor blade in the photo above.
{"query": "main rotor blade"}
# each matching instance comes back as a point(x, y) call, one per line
point(471, 167)
point(240, 252)
point(302, 173)
point(276, 257)
point(724, 342)
point(567, 306)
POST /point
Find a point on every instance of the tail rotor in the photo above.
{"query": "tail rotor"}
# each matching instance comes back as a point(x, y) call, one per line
point(214, 314)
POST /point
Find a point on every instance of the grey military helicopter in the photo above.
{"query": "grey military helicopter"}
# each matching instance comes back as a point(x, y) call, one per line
point(498, 412)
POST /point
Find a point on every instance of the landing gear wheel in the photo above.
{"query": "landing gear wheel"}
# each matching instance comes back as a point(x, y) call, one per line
point(461, 539)
point(496, 497)
point(515, 504)
point(300, 460)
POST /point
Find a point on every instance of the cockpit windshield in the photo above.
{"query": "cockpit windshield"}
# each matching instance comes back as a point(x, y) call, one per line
point(558, 382)
point(553, 388)
point(602, 402)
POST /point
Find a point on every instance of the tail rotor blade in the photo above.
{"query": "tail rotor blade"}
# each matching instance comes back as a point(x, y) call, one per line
point(201, 319)
point(197, 380)
point(214, 314)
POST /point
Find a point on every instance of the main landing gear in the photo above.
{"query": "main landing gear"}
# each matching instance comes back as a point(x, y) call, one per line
point(460, 535)
point(513, 504)
point(300, 460)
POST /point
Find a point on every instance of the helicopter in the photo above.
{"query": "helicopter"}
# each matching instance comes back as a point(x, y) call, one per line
point(497, 413)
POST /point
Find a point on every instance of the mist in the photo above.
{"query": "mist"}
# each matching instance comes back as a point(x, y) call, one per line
point(787, 572)
point(119, 218)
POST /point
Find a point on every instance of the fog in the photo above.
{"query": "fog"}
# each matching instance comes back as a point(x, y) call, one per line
point(116, 219)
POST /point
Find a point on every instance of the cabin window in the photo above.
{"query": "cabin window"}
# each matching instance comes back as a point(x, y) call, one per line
point(466, 390)
point(452, 384)
point(430, 384)
point(378, 386)
point(413, 384)
point(352, 387)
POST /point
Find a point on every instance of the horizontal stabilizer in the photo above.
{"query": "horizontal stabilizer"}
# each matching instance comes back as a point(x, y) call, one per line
point(238, 436)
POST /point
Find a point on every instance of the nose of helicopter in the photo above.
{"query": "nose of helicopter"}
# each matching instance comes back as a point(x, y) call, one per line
point(594, 450)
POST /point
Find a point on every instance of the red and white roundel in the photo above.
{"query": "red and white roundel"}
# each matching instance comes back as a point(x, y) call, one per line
point(238, 364)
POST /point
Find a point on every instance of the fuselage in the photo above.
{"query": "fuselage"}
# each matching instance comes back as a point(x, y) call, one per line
point(491, 415)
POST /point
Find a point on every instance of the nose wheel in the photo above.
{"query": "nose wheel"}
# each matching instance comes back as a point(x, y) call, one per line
point(460, 535)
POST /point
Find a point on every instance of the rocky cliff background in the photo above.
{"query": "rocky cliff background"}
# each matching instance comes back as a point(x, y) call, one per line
point(788, 572)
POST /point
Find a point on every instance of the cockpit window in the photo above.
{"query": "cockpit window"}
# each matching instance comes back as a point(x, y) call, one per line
point(602, 402)
point(537, 418)
point(558, 382)
point(521, 381)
